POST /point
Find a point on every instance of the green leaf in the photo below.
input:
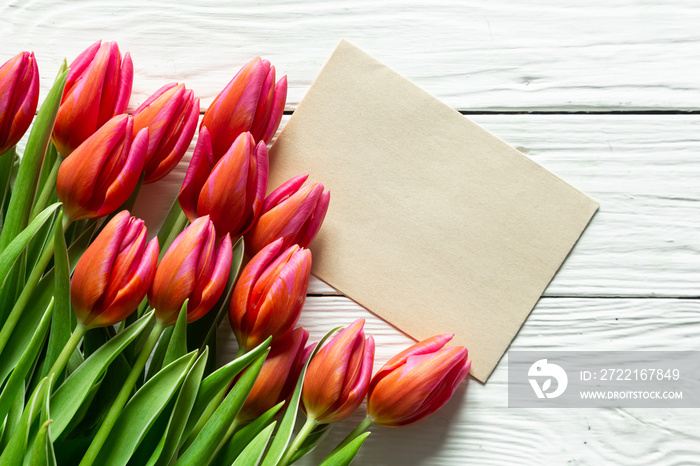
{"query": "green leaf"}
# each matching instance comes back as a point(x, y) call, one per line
point(312, 441)
point(284, 434)
point(30, 168)
point(243, 436)
point(61, 321)
point(158, 353)
point(345, 455)
point(16, 381)
point(207, 443)
point(253, 453)
point(13, 419)
point(66, 401)
point(41, 453)
point(20, 241)
point(218, 381)
point(173, 220)
point(7, 165)
point(178, 341)
point(17, 446)
point(181, 412)
point(141, 411)
point(201, 332)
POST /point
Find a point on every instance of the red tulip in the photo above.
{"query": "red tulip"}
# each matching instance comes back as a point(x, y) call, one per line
point(171, 115)
point(98, 87)
point(232, 194)
point(19, 95)
point(338, 376)
point(416, 382)
point(278, 376)
point(292, 212)
point(114, 274)
point(101, 174)
point(250, 102)
point(269, 294)
point(195, 267)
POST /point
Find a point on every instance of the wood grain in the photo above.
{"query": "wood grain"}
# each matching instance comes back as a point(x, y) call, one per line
point(544, 54)
point(477, 427)
point(642, 169)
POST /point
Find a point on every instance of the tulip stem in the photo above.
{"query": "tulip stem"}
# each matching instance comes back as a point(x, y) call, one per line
point(21, 303)
point(123, 396)
point(67, 351)
point(49, 187)
point(357, 431)
point(306, 429)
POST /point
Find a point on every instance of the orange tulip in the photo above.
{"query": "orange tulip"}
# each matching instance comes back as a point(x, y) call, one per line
point(100, 175)
point(195, 267)
point(19, 96)
point(250, 102)
point(232, 193)
point(98, 87)
point(170, 115)
point(269, 295)
point(114, 274)
point(338, 376)
point(416, 382)
point(278, 376)
point(292, 212)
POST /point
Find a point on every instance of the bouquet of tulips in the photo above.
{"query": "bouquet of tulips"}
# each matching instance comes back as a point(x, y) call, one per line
point(108, 334)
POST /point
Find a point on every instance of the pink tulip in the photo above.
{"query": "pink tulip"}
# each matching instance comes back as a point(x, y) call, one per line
point(98, 87)
point(100, 175)
point(19, 95)
point(291, 212)
point(171, 115)
point(232, 193)
point(416, 382)
point(195, 267)
point(337, 378)
point(115, 272)
point(250, 102)
point(269, 294)
point(278, 376)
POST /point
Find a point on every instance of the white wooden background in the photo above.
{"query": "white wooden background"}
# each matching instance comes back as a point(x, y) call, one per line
point(604, 93)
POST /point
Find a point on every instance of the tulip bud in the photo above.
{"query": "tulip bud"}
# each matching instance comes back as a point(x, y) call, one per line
point(232, 194)
point(291, 212)
point(98, 87)
point(100, 175)
point(269, 295)
point(278, 376)
point(338, 376)
point(171, 115)
point(19, 95)
point(115, 272)
point(250, 102)
point(195, 267)
point(416, 382)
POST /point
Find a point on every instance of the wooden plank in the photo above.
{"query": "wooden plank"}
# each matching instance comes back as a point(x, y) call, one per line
point(477, 427)
point(547, 54)
point(643, 169)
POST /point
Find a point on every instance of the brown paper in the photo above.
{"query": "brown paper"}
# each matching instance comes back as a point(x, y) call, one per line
point(434, 224)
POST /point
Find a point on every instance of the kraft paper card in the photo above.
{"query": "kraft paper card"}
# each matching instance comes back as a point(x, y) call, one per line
point(435, 225)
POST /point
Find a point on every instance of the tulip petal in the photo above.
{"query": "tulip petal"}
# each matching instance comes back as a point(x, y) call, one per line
point(308, 232)
point(264, 106)
point(277, 111)
point(126, 79)
point(285, 190)
point(197, 173)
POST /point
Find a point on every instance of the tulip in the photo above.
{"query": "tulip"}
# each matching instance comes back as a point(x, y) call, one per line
point(232, 194)
point(337, 378)
point(292, 212)
point(19, 95)
point(278, 376)
point(416, 382)
point(250, 102)
point(171, 115)
point(269, 294)
point(102, 172)
point(114, 273)
point(98, 87)
point(195, 267)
